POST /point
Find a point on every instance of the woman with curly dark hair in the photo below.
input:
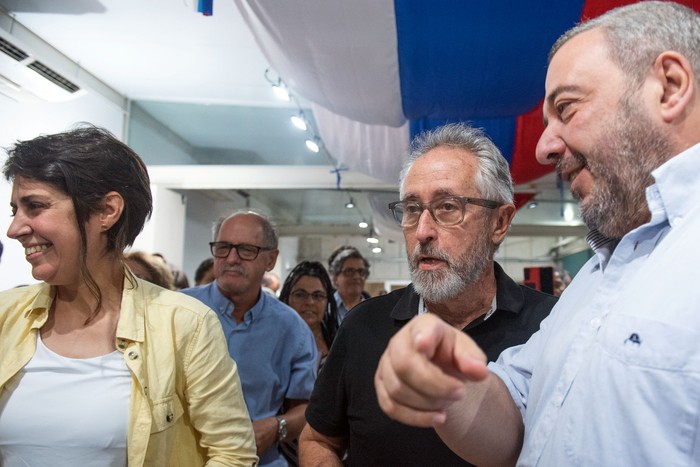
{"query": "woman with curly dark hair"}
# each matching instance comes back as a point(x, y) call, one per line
point(308, 289)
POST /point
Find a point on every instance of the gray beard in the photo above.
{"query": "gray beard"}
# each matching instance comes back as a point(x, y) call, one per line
point(461, 273)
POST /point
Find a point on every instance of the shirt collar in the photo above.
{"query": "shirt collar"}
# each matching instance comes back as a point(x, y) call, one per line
point(132, 313)
point(225, 307)
point(677, 184)
point(38, 310)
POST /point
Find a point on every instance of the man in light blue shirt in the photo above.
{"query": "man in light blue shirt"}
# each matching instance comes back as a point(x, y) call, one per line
point(613, 375)
point(272, 346)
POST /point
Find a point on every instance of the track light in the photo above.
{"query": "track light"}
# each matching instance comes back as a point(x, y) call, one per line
point(350, 204)
point(312, 145)
point(281, 92)
point(299, 122)
point(372, 238)
point(363, 224)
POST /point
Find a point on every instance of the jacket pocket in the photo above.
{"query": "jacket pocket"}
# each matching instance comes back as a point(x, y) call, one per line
point(166, 412)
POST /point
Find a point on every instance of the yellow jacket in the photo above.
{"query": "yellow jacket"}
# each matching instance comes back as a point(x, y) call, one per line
point(187, 407)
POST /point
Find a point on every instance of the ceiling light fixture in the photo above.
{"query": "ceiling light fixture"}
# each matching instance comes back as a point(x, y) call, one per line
point(377, 249)
point(363, 224)
point(281, 92)
point(299, 122)
point(278, 87)
point(350, 204)
point(312, 145)
point(372, 238)
point(532, 205)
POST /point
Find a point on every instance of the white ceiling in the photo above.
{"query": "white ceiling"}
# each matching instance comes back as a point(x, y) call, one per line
point(203, 78)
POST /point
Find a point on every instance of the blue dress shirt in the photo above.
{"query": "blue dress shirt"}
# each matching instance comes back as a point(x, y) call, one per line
point(275, 352)
point(613, 375)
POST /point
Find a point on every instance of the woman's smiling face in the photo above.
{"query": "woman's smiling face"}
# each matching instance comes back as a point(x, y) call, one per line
point(44, 223)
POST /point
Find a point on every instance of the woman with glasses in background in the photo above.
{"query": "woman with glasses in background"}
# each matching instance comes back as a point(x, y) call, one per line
point(308, 289)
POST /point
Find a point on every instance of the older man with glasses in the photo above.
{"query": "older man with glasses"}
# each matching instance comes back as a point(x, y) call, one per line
point(349, 271)
point(273, 347)
point(455, 209)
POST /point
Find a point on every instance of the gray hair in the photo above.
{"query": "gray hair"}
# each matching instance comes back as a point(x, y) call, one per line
point(270, 235)
point(493, 178)
point(636, 34)
point(337, 264)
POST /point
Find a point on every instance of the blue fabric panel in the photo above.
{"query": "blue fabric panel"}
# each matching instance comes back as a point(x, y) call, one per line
point(500, 130)
point(206, 7)
point(476, 59)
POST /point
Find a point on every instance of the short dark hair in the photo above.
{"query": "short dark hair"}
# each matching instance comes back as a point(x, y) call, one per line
point(86, 164)
point(203, 268)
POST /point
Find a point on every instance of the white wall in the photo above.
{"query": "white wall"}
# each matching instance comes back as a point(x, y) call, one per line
point(164, 233)
point(28, 120)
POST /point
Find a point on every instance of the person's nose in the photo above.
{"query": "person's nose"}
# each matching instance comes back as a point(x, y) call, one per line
point(19, 226)
point(426, 228)
point(233, 257)
point(551, 147)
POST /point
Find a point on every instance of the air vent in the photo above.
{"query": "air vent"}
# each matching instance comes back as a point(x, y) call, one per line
point(54, 77)
point(9, 49)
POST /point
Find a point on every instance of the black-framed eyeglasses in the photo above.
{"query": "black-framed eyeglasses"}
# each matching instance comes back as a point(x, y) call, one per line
point(243, 250)
point(445, 211)
point(349, 272)
point(303, 295)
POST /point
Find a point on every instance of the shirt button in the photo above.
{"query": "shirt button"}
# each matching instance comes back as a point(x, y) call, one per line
point(133, 355)
point(121, 344)
point(169, 418)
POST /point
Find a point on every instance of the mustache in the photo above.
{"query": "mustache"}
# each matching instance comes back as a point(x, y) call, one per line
point(565, 164)
point(431, 251)
point(235, 268)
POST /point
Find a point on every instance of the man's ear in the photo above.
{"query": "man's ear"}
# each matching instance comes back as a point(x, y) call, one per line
point(674, 73)
point(272, 259)
point(501, 222)
point(112, 208)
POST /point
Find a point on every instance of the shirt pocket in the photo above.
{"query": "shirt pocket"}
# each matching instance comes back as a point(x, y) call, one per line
point(650, 344)
point(636, 395)
point(165, 413)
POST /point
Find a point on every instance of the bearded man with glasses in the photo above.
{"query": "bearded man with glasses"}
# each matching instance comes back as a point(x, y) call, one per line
point(273, 347)
point(456, 207)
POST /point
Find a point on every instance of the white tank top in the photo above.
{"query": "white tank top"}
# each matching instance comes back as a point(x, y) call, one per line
point(63, 412)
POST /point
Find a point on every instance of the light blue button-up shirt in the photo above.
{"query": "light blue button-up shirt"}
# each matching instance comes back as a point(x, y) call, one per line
point(613, 376)
point(275, 352)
